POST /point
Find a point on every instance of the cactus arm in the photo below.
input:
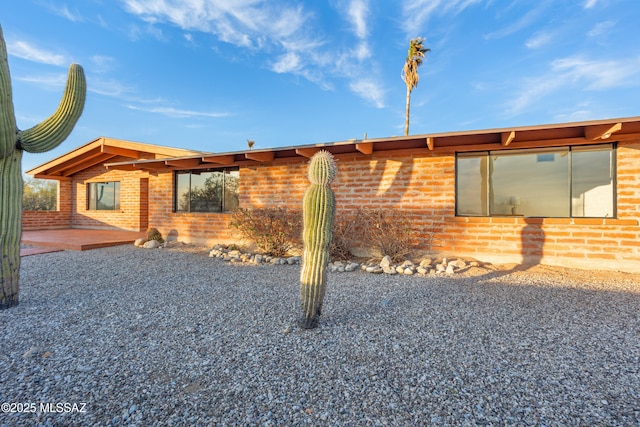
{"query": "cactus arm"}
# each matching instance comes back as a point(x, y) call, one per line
point(318, 212)
point(42, 137)
point(52, 131)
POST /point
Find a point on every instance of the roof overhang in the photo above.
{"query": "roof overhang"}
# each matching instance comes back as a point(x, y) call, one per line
point(100, 151)
point(578, 133)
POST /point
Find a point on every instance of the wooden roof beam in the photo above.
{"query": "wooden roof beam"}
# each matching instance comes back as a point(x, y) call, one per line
point(125, 152)
point(68, 171)
point(53, 177)
point(430, 143)
point(226, 159)
point(307, 152)
point(183, 163)
point(507, 138)
point(260, 156)
point(365, 147)
point(602, 131)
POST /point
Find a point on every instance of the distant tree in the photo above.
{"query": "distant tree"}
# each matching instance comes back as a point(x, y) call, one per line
point(410, 76)
point(39, 195)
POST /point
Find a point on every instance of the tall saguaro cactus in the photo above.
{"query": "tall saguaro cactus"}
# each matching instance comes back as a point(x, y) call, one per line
point(42, 137)
point(319, 207)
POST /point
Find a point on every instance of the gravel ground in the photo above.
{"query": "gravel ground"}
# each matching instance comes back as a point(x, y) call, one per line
point(127, 336)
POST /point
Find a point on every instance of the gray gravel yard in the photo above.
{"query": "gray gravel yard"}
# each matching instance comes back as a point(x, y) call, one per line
point(128, 336)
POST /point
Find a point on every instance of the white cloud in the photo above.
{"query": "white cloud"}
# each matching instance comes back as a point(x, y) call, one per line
point(174, 112)
point(282, 33)
point(64, 12)
point(538, 40)
point(601, 28)
point(369, 90)
point(417, 13)
point(588, 4)
point(287, 63)
point(50, 80)
point(525, 20)
point(24, 50)
point(576, 73)
point(357, 12)
point(247, 23)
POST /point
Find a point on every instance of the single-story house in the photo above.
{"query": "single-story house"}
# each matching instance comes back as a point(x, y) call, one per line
point(560, 194)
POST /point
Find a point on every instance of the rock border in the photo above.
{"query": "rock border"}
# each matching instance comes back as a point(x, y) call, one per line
point(426, 267)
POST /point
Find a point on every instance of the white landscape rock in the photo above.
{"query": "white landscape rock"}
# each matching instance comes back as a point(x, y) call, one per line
point(151, 244)
point(140, 242)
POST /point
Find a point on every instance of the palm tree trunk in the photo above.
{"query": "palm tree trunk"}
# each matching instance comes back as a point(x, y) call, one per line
point(406, 119)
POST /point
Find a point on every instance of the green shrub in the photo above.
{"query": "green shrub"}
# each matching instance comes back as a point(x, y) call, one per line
point(275, 231)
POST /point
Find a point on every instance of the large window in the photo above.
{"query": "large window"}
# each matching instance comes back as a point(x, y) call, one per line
point(555, 182)
point(207, 190)
point(103, 196)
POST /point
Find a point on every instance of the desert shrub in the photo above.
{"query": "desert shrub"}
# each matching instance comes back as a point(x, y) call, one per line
point(386, 231)
point(154, 234)
point(345, 237)
point(275, 231)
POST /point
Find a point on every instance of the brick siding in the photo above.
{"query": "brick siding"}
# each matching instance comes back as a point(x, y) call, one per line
point(419, 182)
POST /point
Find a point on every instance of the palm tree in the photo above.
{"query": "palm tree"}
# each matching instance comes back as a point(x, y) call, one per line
point(410, 71)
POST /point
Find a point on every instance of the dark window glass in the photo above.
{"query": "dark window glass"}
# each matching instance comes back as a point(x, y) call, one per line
point(103, 196)
point(207, 190)
point(558, 182)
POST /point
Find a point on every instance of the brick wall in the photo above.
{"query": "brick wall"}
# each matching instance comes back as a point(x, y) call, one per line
point(422, 184)
point(60, 218)
point(132, 214)
point(419, 182)
point(200, 228)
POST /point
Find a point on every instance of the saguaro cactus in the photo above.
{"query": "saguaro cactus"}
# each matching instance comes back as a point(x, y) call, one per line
point(42, 137)
point(318, 206)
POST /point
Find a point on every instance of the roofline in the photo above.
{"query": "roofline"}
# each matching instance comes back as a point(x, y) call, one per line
point(101, 142)
point(547, 135)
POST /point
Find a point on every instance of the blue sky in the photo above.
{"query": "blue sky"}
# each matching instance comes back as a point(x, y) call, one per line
point(210, 74)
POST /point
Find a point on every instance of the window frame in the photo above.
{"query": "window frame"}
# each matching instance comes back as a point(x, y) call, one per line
point(116, 196)
point(189, 172)
point(610, 147)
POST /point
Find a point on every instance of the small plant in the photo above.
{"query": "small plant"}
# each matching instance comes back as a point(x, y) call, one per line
point(387, 231)
point(344, 235)
point(275, 231)
point(154, 234)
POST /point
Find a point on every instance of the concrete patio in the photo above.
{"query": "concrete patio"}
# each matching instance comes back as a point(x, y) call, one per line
point(77, 239)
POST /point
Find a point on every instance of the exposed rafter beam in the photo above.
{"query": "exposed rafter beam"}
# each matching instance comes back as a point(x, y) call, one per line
point(602, 131)
point(365, 147)
point(183, 163)
point(430, 141)
point(260, 156)
point(307, 152)
point(507, 138)
point(132, 154)
point(72, 169)
point(55, 177)
point(226, 159)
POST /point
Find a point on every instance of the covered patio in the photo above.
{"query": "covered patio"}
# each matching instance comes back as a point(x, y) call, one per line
point(77, 239)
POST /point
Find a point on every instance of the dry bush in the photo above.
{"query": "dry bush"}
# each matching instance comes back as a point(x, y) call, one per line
point(275, 231)
point(345, 237)
point(387, 231)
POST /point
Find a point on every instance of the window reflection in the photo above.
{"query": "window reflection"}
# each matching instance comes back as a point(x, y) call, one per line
point(206, 190)
point(558, 182)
